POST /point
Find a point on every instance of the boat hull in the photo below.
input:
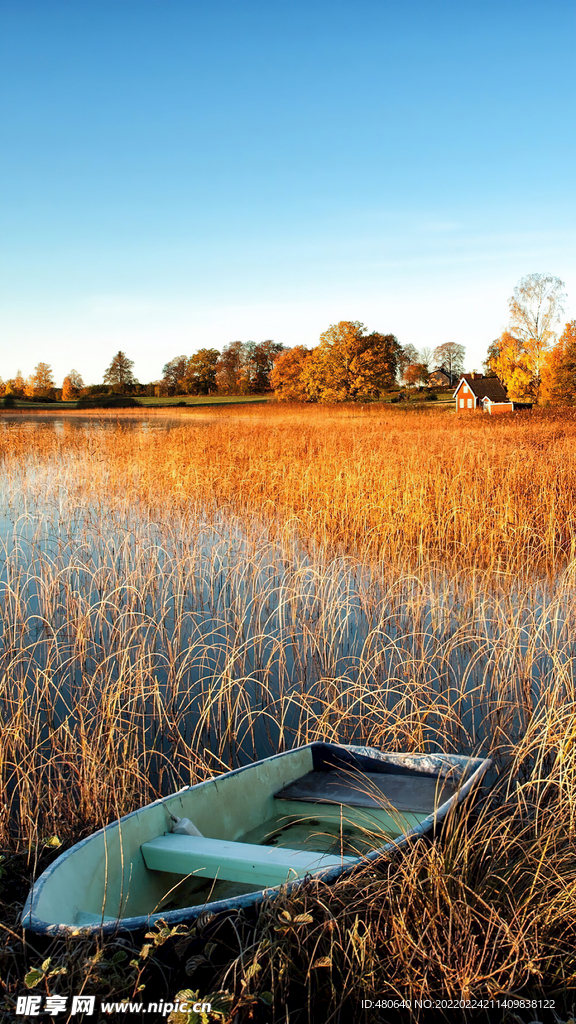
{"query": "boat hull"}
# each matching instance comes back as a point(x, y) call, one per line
point(346, 804)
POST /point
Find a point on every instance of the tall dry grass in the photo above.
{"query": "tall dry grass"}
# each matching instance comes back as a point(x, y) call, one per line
point(376, 484)
point(185, 594)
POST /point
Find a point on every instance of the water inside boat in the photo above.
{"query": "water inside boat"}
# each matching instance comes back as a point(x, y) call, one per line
point(336, 814)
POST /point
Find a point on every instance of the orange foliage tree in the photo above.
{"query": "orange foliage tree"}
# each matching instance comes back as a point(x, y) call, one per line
point(286, 376)
point(72, 386)
point(350, 365)
point(559, 369)
point(15, 386)
point(231, 371)
point(509, 361)
point(201, 372)
point(416, 373)
point(40, 384)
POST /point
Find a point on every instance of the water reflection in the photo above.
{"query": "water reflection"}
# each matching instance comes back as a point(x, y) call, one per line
point(63, 425)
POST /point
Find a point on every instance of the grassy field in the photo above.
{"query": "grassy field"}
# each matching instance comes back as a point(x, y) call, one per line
point(442, 397)
point(146, 402)
point(205, 400)
point(174, 595)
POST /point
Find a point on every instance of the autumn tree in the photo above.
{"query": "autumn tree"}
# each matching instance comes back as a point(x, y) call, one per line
point(416, 375)
point(350, 365)
point(415, 365)
point(449, 356)
point(559, 369)
point(174, 375)
point(376, 365)
point(231, 373)
point(15, 385)
point(535, 309)
point(72, 386)
point(259, 361)
point(244, 367)
point(201, 372)
point(286, 376)
point(119, 374)
point(40, 384)
point(508, 360)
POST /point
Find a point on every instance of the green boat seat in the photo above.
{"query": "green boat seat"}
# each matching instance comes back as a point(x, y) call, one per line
point(234, 862)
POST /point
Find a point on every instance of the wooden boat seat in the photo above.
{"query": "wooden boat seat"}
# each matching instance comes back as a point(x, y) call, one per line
point(369, 789)
point(234, 861)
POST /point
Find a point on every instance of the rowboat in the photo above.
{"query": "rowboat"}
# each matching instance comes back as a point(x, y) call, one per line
point(316, 812)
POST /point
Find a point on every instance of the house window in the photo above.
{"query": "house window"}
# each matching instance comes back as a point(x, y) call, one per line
point(469, 403)
point(461, 403)
point(464, 390)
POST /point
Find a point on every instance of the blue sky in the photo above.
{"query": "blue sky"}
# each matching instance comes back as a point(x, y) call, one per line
point(177, 174)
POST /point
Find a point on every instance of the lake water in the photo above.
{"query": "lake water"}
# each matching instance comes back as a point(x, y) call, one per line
point(219, 639)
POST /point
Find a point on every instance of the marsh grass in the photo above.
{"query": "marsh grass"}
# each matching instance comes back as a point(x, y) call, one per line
point(410, 488)
point(181, 595)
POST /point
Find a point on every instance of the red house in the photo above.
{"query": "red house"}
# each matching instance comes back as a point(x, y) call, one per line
point(487, 393)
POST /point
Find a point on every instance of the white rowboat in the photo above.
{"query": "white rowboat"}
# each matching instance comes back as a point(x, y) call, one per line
point(320, 810)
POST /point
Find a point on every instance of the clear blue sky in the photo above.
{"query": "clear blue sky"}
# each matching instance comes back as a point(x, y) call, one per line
point(182, 173)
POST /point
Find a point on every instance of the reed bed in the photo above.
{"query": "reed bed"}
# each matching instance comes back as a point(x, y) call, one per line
point(182, 595)
point(407, 488)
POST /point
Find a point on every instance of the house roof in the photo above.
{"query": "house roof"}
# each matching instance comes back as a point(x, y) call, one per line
point(484, 387)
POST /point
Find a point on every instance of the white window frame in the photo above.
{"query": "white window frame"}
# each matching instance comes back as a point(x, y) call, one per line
point(461, 403)
point(469, 403)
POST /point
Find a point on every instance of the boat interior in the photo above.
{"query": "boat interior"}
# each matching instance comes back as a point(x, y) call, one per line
point(326, 818)
point(312, 809)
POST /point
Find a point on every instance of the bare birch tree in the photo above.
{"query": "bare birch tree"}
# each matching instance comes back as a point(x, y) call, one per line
point(535, 309)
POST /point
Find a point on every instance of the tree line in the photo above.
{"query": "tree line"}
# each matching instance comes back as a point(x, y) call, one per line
point(349, 364)
point(242, 368)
